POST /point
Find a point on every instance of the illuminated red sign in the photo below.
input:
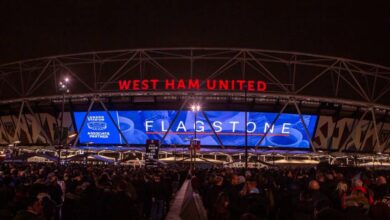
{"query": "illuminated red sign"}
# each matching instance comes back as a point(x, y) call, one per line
point(192, 84)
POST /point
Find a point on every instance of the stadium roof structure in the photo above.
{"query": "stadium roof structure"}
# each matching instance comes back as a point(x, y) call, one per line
point(295, 81)
point(291, 74)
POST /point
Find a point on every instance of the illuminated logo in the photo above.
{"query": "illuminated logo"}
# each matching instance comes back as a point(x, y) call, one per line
point(97, 126)
point(193, 84)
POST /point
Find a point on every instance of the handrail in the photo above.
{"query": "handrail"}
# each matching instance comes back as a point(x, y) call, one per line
point(175, 209)
point(187, 205)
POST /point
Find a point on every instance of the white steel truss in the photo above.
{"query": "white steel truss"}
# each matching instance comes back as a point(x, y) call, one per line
point(292, 76)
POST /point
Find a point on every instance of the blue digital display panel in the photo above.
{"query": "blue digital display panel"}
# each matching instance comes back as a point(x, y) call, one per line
point(138, 126)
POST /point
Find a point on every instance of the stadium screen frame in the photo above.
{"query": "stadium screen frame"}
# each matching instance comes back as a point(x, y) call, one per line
point(139, 125)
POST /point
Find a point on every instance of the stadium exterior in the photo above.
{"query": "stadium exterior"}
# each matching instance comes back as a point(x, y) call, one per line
point(351, 98)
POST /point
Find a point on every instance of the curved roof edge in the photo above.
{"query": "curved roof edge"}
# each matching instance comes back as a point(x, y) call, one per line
point(200, 48)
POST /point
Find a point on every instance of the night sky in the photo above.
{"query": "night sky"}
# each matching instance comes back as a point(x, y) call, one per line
point(340, 28)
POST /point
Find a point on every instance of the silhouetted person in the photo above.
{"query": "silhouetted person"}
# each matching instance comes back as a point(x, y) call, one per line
point(33, 211)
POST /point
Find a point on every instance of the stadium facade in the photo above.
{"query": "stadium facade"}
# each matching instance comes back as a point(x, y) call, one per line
point(350, 99)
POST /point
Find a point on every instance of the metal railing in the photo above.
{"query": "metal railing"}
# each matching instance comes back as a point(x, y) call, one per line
point(187, 205)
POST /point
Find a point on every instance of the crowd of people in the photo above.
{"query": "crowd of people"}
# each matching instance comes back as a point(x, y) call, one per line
point(51, 192)
point(71, 192)
point(288, 193)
